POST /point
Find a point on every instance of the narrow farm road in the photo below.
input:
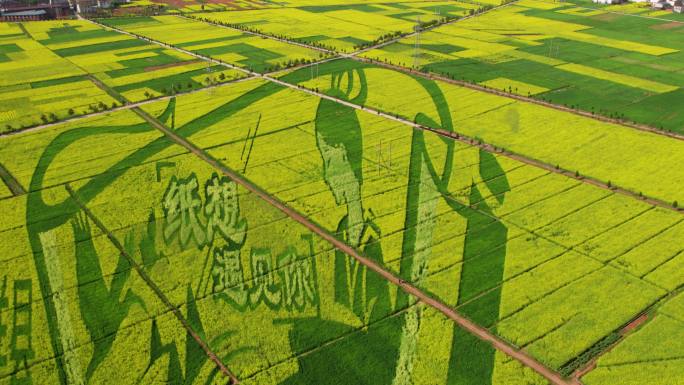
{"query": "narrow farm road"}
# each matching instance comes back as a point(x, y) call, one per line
point(632, 325)
point(478, 331)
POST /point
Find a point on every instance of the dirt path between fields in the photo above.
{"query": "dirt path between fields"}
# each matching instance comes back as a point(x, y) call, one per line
point(480, 332)
point(158, 292)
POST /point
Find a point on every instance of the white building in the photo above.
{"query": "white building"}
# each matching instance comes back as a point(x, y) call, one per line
point(678, 6)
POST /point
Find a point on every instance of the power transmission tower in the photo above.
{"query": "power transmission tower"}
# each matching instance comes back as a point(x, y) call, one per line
point(212, 90)
point(554, 49)
point(384, 158)
point(314, 71)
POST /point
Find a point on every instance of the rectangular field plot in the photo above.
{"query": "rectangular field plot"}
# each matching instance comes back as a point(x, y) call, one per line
point(653, 253)
point(228, 45)
point(554, 328)
point(43, 102)
point(343, 28)
point(598, 61)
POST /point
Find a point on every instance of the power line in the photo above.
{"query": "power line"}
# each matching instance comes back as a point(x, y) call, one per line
point(416, 48)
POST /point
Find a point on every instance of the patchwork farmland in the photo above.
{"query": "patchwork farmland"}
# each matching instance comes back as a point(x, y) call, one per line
point(335, 192)
point(605, 63)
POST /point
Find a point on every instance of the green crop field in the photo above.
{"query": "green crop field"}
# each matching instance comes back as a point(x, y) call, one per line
point(606, 63)
point(213, 193)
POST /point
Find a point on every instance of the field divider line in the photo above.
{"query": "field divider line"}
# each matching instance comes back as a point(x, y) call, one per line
point(652, 236)
point(12, 183)
point(176, 311)
point(463, 322)
point(109, 90)
point(439, 131)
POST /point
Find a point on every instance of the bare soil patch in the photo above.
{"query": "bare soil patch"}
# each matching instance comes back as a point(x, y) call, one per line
point(667, 26)
point(634, 324)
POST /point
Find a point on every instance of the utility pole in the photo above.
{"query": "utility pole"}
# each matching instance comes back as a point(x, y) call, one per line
point(416, 49)
point(384, 162)
point(314, 71)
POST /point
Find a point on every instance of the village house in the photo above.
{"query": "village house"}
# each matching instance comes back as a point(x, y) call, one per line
point(675, 5)
point(18, 10)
